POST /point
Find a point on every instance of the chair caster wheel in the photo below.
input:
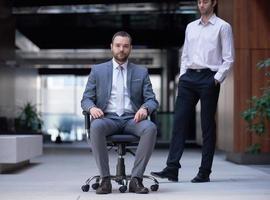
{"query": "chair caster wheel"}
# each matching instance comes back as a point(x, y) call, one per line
point(123, 189)
point(95, 186)
point(85, 188)
point(154, 187)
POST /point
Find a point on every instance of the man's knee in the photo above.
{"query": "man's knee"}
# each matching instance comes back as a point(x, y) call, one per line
point(97, 127)
point(151, 128)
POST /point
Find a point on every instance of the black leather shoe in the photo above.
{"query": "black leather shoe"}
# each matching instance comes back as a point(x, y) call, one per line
point(201, 178)
point(136, 185)
point(170, 174)
point(105, 186)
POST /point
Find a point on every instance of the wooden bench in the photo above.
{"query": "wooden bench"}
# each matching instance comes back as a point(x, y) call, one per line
point(17, 150)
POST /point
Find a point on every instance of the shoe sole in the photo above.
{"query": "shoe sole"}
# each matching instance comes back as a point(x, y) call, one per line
point(104, 193)
point(132, 191)
point(169, 178)
point(205, 181)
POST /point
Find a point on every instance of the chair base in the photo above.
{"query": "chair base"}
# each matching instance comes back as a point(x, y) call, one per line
point(121, 180)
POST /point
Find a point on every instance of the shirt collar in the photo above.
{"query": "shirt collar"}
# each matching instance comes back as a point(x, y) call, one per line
point(212, 19)
point(115, 64)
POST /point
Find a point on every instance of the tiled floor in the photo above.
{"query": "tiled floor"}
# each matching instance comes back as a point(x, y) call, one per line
point(60, 172)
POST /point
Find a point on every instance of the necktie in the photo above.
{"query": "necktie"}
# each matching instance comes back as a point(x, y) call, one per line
point(120, 92)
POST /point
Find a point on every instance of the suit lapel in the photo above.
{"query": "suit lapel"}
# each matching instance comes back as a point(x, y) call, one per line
point(109, 78)
point(129, 77)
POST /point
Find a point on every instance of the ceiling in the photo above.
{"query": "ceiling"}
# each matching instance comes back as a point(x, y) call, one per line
point(88, 24)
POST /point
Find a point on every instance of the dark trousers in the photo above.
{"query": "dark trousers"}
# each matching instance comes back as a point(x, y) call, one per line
point(193, 86)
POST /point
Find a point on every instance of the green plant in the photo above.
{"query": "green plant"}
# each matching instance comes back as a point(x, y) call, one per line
point(28, 119)
point(258, 114)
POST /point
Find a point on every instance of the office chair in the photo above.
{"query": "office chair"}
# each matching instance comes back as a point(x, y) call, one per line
point(121, 142)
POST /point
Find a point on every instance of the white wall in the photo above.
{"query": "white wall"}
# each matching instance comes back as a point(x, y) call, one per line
point(225, 117)
point(7, 92)
point(17, 86)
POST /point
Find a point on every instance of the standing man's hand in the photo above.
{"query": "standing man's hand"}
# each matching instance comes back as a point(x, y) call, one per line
point(216, 82)
point(96, 112)
point(140, 115)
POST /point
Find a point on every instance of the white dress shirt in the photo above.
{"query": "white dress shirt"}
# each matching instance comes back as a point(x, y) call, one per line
point(208, 45)
point(111, 107)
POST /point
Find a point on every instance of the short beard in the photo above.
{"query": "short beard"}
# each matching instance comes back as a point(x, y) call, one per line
point(122, 60)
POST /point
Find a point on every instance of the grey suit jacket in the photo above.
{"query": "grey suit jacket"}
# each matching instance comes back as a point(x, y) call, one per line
point(99, 85)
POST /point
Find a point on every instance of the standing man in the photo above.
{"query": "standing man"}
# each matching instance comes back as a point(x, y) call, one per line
point(119, 97)
point(207, 57)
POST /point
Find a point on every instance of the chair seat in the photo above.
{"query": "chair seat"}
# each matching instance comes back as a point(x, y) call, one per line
point(123, 138)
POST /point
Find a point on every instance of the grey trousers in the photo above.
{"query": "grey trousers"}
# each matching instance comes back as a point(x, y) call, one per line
point(102, 127)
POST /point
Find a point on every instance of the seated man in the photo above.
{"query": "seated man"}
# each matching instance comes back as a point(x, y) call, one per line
point(119, 97)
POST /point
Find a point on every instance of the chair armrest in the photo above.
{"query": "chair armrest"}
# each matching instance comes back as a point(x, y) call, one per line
point(153, 117)
point(87, 123)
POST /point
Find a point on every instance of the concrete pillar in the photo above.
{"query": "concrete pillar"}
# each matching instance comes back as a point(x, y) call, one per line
point(7, 32)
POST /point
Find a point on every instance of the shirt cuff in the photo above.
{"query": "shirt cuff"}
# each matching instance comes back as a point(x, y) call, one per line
point(91, 107)
point(146, 108)
point(219, 77)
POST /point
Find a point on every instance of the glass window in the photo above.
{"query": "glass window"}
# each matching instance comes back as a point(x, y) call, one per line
point(156, 85)
point(60, 106)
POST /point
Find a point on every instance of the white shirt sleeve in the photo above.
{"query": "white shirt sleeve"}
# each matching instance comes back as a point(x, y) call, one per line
point(184, 57)
point(227, 48)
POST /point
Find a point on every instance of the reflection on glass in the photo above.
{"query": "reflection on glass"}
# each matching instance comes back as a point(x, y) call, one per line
point(60, 106)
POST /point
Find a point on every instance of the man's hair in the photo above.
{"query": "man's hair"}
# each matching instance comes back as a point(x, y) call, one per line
point(122, 34)
point(216, 7)
point(212, 1)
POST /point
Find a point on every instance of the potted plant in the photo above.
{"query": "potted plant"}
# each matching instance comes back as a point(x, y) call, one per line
point(28, 120)
point(258, 114)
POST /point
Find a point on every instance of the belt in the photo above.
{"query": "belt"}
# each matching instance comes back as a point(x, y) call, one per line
point(200, 70)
